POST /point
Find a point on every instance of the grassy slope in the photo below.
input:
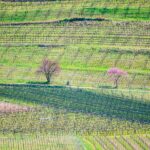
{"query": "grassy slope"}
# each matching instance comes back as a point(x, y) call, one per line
point(88, 63)
point(83, 59)
point(110, 114)
point(125, 13)
point(53, 10)
point(74, 111)
point(74, 142)
point(39, 142)
point(118, 142)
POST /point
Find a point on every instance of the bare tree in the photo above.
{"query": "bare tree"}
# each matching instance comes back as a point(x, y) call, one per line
point(48, 68)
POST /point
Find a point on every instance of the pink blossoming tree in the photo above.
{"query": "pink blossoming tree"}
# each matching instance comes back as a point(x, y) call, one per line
point(116, 74)
point(48, 68)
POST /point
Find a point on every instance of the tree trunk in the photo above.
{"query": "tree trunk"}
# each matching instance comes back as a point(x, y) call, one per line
point(48, 79)
point(116, 82)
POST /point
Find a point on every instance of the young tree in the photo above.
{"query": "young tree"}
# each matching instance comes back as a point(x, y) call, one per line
point(116, 74)
point(48, 68)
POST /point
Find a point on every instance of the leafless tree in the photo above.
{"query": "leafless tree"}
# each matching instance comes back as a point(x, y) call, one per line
point(49, 68)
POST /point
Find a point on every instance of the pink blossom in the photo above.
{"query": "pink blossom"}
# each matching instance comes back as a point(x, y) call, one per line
point(116, 74)
point(116, 71)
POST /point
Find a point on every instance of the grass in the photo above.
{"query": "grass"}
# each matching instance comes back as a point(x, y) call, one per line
point(53, 10)
point(128, 12)
point(38, 142)
point(89, 63)
point(73, 111)
point(43, 141)
point(86, 38)
point(104, 33)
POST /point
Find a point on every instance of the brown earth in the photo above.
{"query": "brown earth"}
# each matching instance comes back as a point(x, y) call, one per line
point(11, 108)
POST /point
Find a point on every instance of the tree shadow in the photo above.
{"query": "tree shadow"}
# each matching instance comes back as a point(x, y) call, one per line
point(37, 82)
point(80, 100)
point(106, 87)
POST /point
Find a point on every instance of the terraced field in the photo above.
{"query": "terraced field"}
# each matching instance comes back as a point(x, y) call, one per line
point(64, 142)
point(80, 109)
point(46, 10)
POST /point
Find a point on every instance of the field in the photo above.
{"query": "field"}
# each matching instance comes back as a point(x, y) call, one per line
point(63, 142)
point(80, 108)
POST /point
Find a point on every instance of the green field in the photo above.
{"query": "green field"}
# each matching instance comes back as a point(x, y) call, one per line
point(86, 38)
point(76, 107)
point(43, 11)
point(87, 63)
point(66, 142)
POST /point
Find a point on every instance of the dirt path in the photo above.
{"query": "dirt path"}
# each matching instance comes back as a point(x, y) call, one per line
point(11, 108)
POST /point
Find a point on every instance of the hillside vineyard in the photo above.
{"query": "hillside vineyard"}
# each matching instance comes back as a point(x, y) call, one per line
point(74, 75)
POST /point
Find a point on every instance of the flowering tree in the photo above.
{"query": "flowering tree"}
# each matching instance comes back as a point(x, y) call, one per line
point(116, 74)
point(48, 68)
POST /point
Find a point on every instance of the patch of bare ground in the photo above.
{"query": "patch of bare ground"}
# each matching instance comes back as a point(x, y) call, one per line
point(12, 108)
